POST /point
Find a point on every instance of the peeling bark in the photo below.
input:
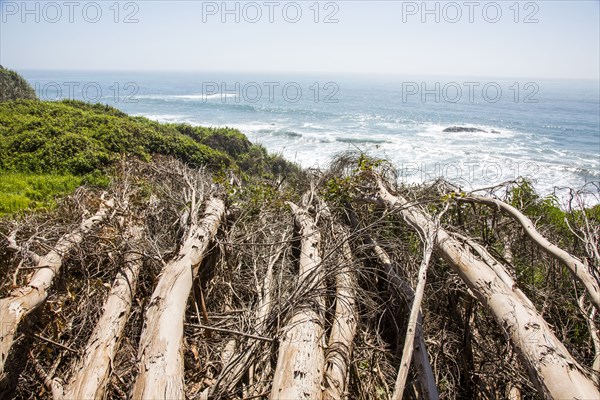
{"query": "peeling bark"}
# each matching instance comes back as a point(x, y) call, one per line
point(92, 372)
point(496, 266)
point(579, 270)
point(161, 344)
point(24, 300)
point(301, 358)
point(551, 367)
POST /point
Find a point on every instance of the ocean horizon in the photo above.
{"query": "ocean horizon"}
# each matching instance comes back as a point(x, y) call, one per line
point(472, 132)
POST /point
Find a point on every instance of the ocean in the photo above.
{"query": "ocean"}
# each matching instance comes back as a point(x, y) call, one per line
point(546, 131)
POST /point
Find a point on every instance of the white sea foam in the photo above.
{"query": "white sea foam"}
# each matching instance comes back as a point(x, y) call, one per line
point(189, 97)
point(171, 118)
point(421, 151)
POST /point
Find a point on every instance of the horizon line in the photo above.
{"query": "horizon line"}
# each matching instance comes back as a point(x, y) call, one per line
point(373, 75)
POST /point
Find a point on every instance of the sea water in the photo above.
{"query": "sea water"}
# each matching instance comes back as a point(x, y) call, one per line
point(547, 131)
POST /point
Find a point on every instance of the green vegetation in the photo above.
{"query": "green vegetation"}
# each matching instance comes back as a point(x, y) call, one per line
point(79, 138)
point(82, 141)
point(20, 191)
point(13, 86)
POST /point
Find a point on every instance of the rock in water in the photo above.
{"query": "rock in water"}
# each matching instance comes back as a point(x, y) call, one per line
point(462, 129)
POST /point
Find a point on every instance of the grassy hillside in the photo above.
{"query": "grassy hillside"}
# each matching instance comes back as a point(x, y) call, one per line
point(49, 148)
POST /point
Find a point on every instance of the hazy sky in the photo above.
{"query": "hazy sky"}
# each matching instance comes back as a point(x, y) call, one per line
point(539, 39)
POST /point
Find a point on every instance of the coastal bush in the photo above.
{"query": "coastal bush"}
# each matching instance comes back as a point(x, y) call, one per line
point(72, 138)
point(13, 86)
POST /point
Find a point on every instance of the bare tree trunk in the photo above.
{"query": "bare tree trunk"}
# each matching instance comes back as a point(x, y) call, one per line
point(425, 374)
point(301, 359)
point(578, 269)
point(496, 266)
point(413, 319)
point(92, 372)
point(160, 352)
point(24, 300)
point(343, 329)
point(553, 370)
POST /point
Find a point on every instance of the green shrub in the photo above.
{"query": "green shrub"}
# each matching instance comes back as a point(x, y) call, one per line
point(72, 138)
point(13, 86)
point(79, 138)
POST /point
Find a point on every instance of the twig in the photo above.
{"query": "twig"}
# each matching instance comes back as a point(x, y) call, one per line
point(13, 246)
point(257, 395)
point(212, 328)
point(62, 346)
point(17, 273)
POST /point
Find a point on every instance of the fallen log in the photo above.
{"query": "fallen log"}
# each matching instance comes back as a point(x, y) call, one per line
point(22, 301)
point(579, 269)
point(160, 352)
point(555, 373)
point(300, 361)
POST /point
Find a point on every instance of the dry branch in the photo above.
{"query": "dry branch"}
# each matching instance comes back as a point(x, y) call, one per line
point(92, 372)
point(578, 269)
point(425, 374)
point(343, 329)
point(233, 372)
point(413, 319)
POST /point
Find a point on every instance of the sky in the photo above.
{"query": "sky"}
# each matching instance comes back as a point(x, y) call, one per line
point(537, 39)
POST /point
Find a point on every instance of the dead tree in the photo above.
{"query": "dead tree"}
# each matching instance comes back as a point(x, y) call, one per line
point(579, 270)
point(161, 344)
point(300, 361)
point(413, 319)
point(343, 328)
point(427, 384)
point(24, 300)
point(556, 374)
point(91, 374)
